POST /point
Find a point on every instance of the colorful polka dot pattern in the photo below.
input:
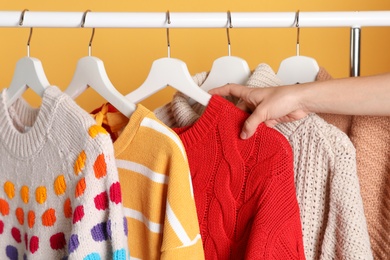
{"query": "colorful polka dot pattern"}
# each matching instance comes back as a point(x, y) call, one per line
point(67, 208)
point(31, 219)
point(9, 189)
point(35, 199)
point(49, 218)
point(80, 163)
point(60, 185)
point(24, 194)
point(95, 130)
point(100, 167)
point(20, 215)
point(40, 194)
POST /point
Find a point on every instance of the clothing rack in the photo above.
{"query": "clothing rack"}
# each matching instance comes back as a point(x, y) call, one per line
point(352, 19)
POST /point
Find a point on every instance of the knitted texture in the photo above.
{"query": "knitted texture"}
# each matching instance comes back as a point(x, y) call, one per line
point(342, 122)
point(371, 137)
point(56, 165)
point(244, 189)
point(179, 112)
point(327, 185)
point(156, 187)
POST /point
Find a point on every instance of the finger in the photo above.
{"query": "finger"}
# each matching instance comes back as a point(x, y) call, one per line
point(243, 106)
point(236, 90)
point(252, 122)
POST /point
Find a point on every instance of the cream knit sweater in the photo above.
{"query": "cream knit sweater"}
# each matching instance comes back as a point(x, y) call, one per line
point(371, 138)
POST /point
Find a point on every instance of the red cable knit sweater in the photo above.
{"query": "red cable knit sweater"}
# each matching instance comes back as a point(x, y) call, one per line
point(244, 189)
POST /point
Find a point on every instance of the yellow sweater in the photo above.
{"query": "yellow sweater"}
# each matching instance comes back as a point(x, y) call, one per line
point(156, 189)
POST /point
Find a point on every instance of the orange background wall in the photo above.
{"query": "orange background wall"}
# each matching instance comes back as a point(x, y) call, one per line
point(129, 53)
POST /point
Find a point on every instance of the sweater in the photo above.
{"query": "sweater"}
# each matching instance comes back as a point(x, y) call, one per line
point(327, 184)
point(371, 137)
point(244, 189)
point(60, 196)
point(156, 186)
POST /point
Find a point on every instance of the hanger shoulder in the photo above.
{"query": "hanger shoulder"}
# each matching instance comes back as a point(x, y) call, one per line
point(298, 69)
point(169, 72)
point(87, 68)
point(90, 72)
point(28, 73)
point(227, 69)
point(155, 81)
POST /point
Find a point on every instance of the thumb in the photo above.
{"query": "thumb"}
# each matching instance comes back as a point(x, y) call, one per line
point(252, 122)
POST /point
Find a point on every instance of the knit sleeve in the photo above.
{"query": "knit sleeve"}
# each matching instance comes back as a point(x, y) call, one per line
point(281, 236)
point(277, 232)
point(99, 229)
point(157, 191)
point(181, 238)
point(346, 235)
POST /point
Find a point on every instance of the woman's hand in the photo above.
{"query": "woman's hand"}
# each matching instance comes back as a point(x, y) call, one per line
point(270, 105)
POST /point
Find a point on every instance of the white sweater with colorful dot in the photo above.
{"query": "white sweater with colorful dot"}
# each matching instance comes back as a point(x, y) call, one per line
point(60, 197)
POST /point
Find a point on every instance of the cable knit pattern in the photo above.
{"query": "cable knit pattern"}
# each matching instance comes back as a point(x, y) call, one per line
point(371, 137)
point(55, 165)
point(343, 122)
point(244, 189)
point(327, 185)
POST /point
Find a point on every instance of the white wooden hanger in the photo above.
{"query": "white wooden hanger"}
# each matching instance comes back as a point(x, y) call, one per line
point(169, 72)
point(298, 69)
point(226, 69)
point(28, 73)
point(90, 72)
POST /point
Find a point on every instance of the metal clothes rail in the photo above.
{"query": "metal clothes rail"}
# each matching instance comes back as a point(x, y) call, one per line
point(352, 19)
point(195, 19)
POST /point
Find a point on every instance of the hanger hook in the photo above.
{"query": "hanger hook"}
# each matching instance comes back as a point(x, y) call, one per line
point(93, 32)
point(168, 41)
point(296, 23)
point(230, 25)
point(21, 20)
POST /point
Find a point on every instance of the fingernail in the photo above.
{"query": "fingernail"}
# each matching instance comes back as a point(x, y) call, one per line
point(243, 135)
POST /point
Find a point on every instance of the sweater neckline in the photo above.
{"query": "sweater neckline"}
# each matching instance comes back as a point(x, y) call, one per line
point(130, 130)
point(229, 132)
point(194, 133)
point(23, 132)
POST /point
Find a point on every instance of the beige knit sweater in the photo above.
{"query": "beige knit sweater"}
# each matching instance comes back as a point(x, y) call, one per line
point(327, 187)
point(333, 221)
point(371, 138)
